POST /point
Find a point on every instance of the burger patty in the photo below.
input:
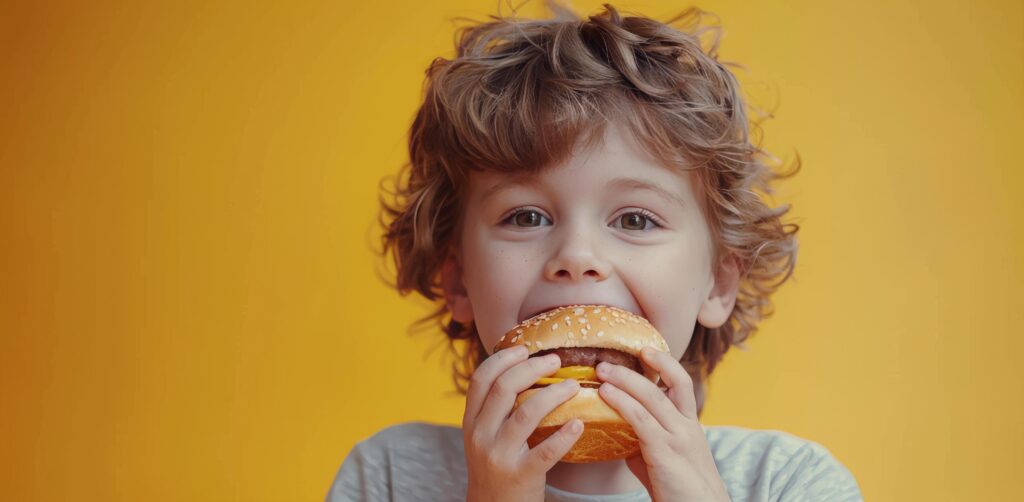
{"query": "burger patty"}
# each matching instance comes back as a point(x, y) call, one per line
point(590, 356)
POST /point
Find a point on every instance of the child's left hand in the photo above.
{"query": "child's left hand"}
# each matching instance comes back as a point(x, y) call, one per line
point(675, 462)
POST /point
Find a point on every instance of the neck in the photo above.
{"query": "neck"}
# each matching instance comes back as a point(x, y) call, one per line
point(595, 478)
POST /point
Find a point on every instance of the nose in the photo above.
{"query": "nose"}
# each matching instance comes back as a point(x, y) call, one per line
point(576, 260)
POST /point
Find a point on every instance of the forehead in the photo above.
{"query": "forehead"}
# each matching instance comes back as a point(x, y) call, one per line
point(616, 162)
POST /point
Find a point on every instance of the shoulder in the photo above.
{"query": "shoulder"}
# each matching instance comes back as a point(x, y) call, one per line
point(410, 461)
point(415, 436)
point(776, 465)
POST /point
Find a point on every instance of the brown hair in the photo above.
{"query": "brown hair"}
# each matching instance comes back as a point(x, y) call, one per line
point(520, 95)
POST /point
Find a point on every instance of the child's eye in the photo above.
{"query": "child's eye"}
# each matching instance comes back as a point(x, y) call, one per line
point(526, 218)
point(638, 220)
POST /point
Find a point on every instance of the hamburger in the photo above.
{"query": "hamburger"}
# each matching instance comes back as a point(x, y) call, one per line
point(582, 336)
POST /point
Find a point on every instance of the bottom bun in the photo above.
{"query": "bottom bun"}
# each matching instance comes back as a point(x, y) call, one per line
point(606, 435)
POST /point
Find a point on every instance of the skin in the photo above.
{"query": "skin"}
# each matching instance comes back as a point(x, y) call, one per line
point(575, 233)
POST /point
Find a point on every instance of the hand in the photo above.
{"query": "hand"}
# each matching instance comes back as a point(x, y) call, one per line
point(675, 462)
point(500, 465)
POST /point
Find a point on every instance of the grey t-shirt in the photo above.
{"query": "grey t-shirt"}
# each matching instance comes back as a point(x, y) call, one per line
point(421, 461)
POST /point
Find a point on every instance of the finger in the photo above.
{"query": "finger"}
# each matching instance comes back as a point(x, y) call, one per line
point(545, 455)
point(643, 391)
point(485, 375)
point(647, 428)
point(498, 403)
point(675, 377)
point(527, 416)
point(638, 467)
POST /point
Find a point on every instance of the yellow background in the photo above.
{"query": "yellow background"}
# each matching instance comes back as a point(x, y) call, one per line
point(190, 309)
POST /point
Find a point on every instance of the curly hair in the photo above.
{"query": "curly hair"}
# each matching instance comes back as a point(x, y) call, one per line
point(520, 94)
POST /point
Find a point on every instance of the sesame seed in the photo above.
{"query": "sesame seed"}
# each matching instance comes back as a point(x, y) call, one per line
point(527, 343)
point(572, 335)
point(604, 318)
point(597, 311)
point(540, 344)
point(519, 331)
point(600, 333)
point(554, 326)
point(615, 314)
point(588, 327)
point(568, 321)
point(584, 330)
point(578, 311)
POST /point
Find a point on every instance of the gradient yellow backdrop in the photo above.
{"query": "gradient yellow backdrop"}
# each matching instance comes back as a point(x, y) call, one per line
point(190, 306)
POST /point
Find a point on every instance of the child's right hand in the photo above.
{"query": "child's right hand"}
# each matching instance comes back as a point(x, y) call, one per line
point(500, 465)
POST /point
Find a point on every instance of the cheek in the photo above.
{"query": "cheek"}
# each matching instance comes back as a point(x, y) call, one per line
point(498, 276)
point(669, 286)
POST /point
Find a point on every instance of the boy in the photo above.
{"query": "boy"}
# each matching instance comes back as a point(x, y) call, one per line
point(598, 161)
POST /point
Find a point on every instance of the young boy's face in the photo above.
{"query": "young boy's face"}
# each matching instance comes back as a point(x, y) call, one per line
point(609, 226)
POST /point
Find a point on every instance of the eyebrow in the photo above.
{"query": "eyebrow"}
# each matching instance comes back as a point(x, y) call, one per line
point(513, 181)
point(638, 184)
point(617, 183)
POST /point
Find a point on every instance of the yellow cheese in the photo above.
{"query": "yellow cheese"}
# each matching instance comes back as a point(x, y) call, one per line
point(548, 381)
point(585, 374)
point(552, 381)
point(577, 372)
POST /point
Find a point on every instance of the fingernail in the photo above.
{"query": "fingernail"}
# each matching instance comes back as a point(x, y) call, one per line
point(575, 426)
point(552, 358)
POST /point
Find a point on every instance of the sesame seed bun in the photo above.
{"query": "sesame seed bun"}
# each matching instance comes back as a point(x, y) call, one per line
point(606, 435)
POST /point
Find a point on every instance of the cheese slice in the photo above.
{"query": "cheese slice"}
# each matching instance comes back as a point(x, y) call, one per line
point(577, 372)
point(585, 374)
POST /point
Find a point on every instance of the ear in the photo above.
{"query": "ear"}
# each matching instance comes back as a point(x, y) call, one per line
point(455, 294)
point(717, 307)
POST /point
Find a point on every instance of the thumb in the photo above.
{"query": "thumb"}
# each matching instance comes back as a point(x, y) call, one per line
point(639, 469)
